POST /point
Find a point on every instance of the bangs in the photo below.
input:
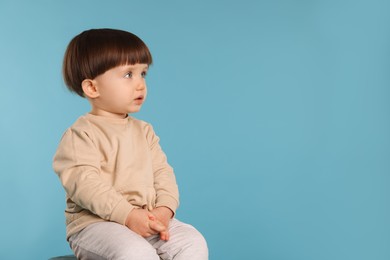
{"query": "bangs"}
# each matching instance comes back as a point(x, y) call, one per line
point(121, 53)
point(111, 48)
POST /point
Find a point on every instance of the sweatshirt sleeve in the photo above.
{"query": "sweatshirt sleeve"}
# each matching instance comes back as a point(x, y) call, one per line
point(167, 193)
point(77, 164)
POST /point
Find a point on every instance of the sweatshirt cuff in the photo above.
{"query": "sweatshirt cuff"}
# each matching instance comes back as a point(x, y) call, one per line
point(121, 211)
point(167, 201)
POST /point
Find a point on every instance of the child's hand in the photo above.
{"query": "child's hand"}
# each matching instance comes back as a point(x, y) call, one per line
point(144, 223)
point(163, 215)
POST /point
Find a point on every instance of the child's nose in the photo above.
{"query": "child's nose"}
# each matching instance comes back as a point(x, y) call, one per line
point(141, 85)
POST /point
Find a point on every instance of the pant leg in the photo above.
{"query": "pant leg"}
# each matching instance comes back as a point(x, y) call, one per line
point(185, 243)
point(109, 240)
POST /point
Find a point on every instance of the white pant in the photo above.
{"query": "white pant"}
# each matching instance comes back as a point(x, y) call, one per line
point(110, 240)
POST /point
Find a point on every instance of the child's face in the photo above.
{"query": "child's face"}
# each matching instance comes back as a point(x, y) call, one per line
point(122, 90)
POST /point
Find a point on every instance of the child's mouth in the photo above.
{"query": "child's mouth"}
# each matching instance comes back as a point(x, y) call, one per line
point(139, 99)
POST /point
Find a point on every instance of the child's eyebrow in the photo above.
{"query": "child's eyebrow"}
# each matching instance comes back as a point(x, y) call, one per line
point(128, 68)
point(131, 67)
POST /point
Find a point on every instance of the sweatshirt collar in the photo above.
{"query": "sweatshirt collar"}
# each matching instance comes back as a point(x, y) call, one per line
point(109, 120)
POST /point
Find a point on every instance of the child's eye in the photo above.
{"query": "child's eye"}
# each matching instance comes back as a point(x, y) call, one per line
point(129, 75)
point(143, 74)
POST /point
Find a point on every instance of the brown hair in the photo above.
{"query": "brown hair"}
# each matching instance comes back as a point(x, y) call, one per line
point(93, 52)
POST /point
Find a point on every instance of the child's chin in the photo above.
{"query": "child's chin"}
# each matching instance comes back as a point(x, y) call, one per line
point(134, 110)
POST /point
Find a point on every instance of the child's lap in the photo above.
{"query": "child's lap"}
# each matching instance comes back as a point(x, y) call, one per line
point(109, 240)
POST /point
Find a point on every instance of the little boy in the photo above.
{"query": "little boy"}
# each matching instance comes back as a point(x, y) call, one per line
point(121, 194)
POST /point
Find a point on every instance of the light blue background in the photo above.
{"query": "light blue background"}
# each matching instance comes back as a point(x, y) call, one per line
point(274, 114)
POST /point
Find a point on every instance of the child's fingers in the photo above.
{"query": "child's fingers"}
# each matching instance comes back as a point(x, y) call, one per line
point(156, 226)
point(164, 235)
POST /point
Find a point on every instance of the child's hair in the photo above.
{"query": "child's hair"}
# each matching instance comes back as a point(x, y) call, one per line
point(93, 52)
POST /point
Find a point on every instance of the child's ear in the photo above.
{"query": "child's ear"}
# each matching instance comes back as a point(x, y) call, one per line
point(89, 88)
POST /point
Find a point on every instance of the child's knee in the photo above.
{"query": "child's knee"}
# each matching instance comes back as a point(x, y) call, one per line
point(199, 245)
point(192, 245)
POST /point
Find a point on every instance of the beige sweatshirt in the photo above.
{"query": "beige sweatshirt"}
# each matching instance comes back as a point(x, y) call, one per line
point(109, 167)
